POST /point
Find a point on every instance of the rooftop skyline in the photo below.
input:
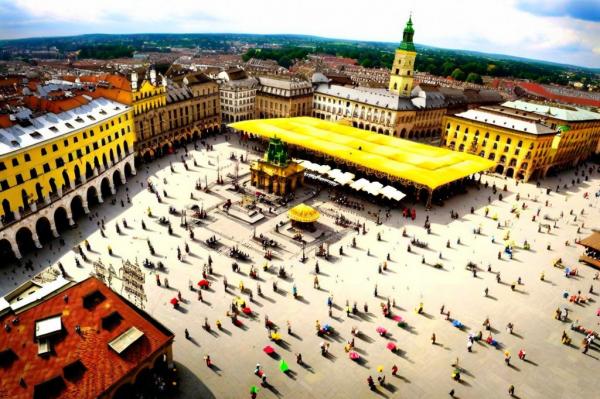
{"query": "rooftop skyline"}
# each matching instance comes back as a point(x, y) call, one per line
point(553, 30)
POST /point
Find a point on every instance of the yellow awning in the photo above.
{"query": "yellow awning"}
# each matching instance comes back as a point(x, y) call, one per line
point(304, 214)
point(423, 164)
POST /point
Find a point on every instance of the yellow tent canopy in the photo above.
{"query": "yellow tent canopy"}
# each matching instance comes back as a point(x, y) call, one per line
point(423, 164)
point(304, 214)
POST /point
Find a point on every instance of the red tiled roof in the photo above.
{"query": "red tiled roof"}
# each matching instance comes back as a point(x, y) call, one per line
point(103, 366)
point(5, 121)
point(539, 90)
point(55, 106)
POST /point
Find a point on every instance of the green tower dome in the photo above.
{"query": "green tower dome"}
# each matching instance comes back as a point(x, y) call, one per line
point(407, 37)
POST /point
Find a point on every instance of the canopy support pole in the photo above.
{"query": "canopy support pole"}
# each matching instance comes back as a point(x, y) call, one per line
point(429, 199)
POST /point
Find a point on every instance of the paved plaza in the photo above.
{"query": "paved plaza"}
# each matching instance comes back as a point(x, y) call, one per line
point(551, 369)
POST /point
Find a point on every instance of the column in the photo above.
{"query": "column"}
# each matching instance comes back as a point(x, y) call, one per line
point(33, 206)
point(47, 199)
point(95, 172)
point(85, 206)
point(72, 184)
point(70, 216)
point(112, 187)
point(15, 248)
point(100, 199)
point(17, 214)
point(83, 179)
point(53, 228)
point(60, 191)
point(36, 239)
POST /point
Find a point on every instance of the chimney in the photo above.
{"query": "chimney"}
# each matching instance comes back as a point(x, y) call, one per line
point(153, 76)
point(134, 79)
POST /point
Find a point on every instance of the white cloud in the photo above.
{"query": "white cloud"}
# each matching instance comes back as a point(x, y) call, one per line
point(492, 25)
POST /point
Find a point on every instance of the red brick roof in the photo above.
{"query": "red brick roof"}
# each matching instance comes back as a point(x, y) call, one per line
point(541, 91)
point(103, 366)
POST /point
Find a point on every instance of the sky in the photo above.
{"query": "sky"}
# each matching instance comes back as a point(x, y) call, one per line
point(565, 31)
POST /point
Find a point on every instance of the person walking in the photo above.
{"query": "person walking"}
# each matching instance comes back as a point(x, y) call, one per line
point(511, 390)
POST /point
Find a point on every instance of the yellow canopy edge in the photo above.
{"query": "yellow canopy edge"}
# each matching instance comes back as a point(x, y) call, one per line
point(423, 164)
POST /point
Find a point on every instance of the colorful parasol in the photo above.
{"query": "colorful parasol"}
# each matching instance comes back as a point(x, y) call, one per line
point(254, 389)
point(381, 331)
point(247, 310)
point(391, 346)
point(380, 369)
point(283, 366)
point(268, 350)
point(354, 356)
point(203, 283)
point(174, 301)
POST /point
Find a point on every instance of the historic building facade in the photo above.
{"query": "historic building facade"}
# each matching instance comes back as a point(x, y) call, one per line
point(54, 165)
point(279, 98)
point(401, 110)
point(526, 140)
point(520, 146)
point(276, 173)
point(190, 109)
point(237, 92)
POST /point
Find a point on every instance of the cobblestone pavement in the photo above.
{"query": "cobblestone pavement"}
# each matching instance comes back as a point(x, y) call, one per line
point(552, 370)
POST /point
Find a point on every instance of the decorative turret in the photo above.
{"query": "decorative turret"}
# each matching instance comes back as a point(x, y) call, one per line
point(276, 152)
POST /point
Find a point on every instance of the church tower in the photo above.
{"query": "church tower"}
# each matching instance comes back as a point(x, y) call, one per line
point(401, 77)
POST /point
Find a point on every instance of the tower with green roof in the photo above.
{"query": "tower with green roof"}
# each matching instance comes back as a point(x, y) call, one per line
point(401, 77)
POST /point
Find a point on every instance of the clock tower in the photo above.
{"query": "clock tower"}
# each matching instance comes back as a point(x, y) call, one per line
point(401, 78)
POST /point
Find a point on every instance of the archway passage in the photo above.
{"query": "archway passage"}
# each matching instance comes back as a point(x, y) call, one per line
point(499, 169)
point(128, 170)
point(43, 230)
point(117, 179)
point(126, 391)
point(6, 252)
point(77, 208)
point(510, 172)
point(24, 240)
point(105, 188)
point(61, 220)
point(92, 196)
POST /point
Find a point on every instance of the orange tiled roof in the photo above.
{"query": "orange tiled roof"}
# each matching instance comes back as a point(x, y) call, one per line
point(55, 106)
point(103, 366)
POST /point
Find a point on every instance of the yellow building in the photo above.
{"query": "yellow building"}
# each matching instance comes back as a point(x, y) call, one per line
point(526, 139)
point(579, 130)
point(402, 74)
point(276, 173)
point(192, 109)
point(53, 166)
point(520, 145)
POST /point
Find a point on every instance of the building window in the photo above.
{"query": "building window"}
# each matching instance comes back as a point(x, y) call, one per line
point(54, 147)
point(4, 184)
point(66, 143)
point(84, 135)
point(15, 162)
point(70, 157)
point(27, 158)
point(33, 173)
point(2, 166)
point(19, 179)
point(59, 162)
point(46, 168)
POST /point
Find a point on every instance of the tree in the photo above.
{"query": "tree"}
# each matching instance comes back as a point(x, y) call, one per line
point(474, 78)
point(458, 74)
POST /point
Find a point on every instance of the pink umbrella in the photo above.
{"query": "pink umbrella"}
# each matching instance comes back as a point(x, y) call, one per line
point(354, 356)
point(174, 301)
point(397, 318)
point(247, 310)
point(381, 331)
point(391, 346)
point(268, 350)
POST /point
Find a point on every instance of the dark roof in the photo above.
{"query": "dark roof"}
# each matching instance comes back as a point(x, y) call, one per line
point(236, 74)
point(88, 353)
